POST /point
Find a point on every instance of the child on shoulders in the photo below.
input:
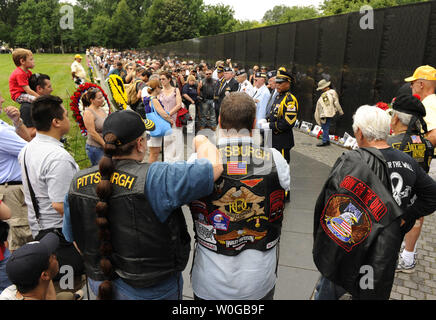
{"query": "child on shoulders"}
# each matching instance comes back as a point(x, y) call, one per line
point(19, 79)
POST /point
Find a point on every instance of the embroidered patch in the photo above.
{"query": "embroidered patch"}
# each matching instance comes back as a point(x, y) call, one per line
point(371, 200)
point(236, 168)
point(240, 204)
point(277, 204)
point(205, 232)
point(237, 239)
point(416, 139)
point(345, 221)
point(219, 220)
point(252, 183)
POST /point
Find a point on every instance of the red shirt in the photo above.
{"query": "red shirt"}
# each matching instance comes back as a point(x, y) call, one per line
point(17, 81)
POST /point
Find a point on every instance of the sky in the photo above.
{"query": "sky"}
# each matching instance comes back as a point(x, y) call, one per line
point(255, 9)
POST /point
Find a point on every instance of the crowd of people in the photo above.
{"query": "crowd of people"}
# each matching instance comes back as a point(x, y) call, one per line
point(119, 225)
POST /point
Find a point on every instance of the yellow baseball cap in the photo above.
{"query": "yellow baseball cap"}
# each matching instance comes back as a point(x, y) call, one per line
point(78, 56)
point(424, 72)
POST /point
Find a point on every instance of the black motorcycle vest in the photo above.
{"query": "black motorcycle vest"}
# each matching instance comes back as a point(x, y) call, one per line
point(145, 251)
point(416, 146)
point(245, 211)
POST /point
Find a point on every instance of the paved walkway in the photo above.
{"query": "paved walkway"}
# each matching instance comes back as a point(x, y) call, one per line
point(297, 274)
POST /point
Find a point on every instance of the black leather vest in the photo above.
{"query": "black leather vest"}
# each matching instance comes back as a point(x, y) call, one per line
point(246, 208)
point(145, 251)
point(415, 146)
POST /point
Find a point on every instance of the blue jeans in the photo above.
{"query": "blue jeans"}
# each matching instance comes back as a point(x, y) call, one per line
point(94, 154)
point(207, 114)
point(4, 280)
point(170, 289)
point(327, 290)
point(325, 130)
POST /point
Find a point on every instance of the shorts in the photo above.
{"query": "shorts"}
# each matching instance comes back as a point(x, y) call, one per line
point(24, 97)
point(19, 232)
point(155, 142)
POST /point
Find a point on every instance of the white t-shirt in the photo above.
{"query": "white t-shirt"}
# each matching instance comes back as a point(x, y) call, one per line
point(430, 108)
point(51, 169)
point(10, 293)
point(248, 276)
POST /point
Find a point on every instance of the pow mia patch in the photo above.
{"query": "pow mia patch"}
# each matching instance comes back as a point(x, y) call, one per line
point(205, 232)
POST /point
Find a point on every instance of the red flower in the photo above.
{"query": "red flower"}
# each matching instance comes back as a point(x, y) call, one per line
point(382, 105)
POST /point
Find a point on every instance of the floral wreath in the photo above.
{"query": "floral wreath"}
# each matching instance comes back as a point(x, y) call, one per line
point(75, 99)
point(116, 86)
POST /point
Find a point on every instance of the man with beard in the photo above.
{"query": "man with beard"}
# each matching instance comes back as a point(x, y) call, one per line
point(207, 110)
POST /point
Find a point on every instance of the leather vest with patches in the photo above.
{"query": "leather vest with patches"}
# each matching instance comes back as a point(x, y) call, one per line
point(416, 146)
point(246, 208)
point(145, 251)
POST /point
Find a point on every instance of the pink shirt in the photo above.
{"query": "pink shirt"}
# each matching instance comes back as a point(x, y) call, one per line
point(17, 81)
point(169, 102)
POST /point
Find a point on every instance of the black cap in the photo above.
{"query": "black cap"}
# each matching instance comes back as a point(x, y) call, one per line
point(272, 74)
point(126, 125)
point(227, 69)
point(240, 72)
point(26, 264)
point(409, 104)
point(260, 75)
point(283, 75)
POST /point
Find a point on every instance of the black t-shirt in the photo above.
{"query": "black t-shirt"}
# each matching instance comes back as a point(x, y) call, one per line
point(410, 183)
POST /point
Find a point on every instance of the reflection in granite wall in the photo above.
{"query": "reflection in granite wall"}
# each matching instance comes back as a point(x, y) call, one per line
point(365, 66)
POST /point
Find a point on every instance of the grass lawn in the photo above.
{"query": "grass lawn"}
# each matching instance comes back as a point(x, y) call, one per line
point(57, 67)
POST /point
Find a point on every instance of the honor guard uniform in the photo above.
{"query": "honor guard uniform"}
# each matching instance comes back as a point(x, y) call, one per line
point(282, 116)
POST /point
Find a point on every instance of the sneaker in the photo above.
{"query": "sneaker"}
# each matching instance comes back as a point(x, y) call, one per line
point(406, 268)
point(323, 144)
point(78, 295)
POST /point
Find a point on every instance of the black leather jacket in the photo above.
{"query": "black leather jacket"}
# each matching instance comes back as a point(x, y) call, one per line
point(357, 233)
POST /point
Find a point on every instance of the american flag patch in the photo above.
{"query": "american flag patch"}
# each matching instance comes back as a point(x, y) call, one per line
point(416, 139)
point(236, 167)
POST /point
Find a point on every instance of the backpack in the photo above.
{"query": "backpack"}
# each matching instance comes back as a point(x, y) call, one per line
point(132, 93)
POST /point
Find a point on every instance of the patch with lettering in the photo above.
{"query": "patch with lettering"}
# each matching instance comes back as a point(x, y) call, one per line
point(345, 221)
point(362, 191)
point(240, 204)
point(120, 179)
point(205, 232)
point(237, 239)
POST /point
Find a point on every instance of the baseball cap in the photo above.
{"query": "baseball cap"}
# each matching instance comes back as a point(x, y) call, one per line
point(283, 75)
point(78, 56)
point(227, 69)
point(260, 75)
point(220, 69)
point(240, 72)
point(409, 104)
point(126, 125)
point(423, 72)
point(26, 264)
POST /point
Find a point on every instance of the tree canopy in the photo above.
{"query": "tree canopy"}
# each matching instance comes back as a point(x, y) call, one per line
point(125, 24)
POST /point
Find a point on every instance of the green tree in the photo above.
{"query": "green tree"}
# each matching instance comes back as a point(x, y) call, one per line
point(124, 27)
point(247, 25)
point(285, 14)
point(171, 20)
point(217, 19)
point(332, 7)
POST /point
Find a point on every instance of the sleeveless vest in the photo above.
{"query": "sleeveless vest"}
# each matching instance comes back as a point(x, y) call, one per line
point(145, 251)
point(245, 211)
point(416, 146)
